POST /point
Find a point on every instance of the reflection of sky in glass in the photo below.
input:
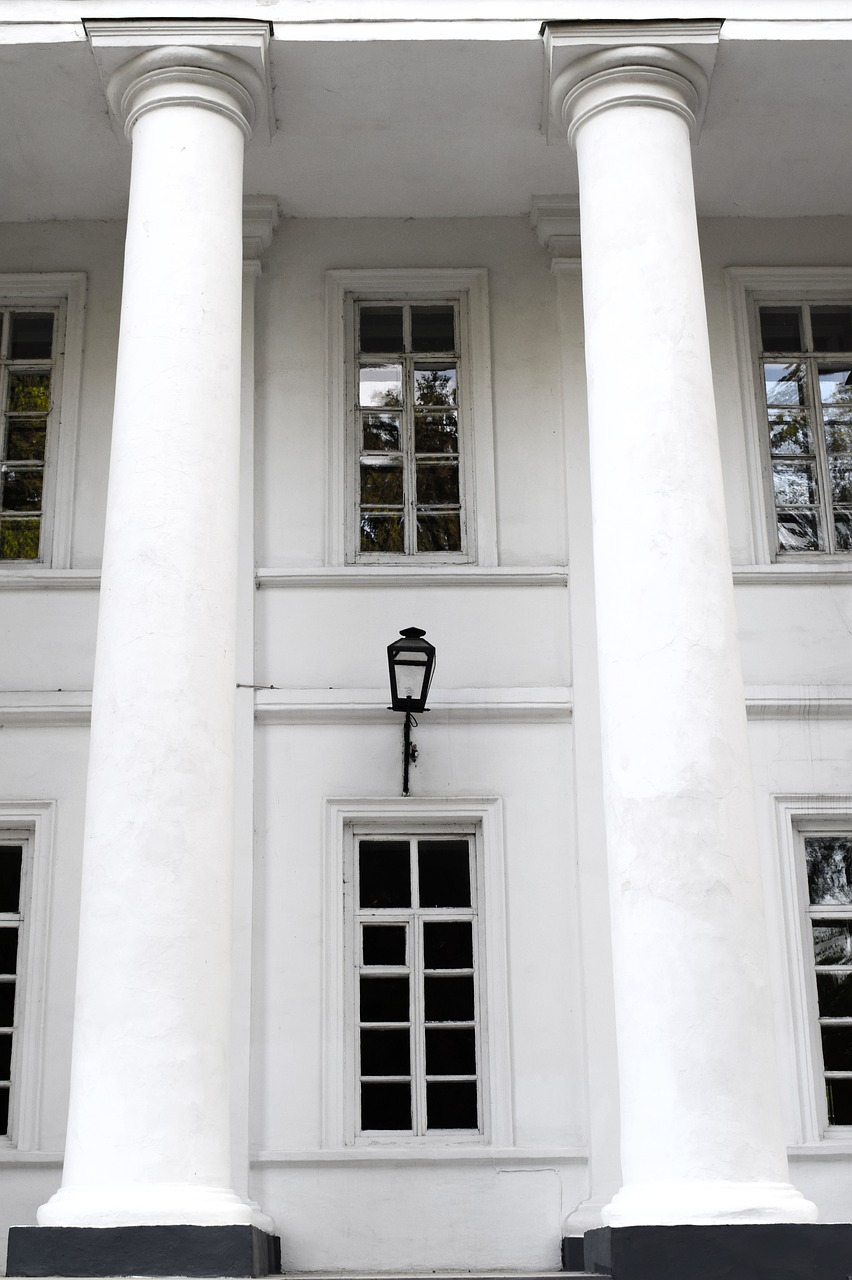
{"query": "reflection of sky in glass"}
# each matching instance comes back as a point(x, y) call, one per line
point(794, 484)
point(784, 383)
point(835, 385)
point(381, 385)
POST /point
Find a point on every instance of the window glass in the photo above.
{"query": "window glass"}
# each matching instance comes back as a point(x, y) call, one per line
point(829, 868)
point(11, 861)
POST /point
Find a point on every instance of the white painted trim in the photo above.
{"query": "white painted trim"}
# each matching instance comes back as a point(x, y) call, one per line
point(478, 438)
point(45, 707)
point(433, 575)
point(37, 819)
point(34, 579)
point(485, 814)
point(793, 813)
point(66, 289)
point(792, 702)
point(745, 287)
point(803, 573)
point(370, 706)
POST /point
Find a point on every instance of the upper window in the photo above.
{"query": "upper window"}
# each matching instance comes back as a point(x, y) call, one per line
point(27, 350)
point(407, 374)
point(411, 447)
point(806, 362)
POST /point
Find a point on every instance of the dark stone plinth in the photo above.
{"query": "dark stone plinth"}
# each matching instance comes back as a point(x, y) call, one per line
point(782, 1251)
point(142, 1251)
point(572, 1253)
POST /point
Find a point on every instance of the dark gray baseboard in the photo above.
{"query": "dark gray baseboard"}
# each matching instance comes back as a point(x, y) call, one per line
point(142, 1251)
point(782, 1251)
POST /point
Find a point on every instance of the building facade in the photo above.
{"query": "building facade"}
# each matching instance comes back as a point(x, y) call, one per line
point(534, 331)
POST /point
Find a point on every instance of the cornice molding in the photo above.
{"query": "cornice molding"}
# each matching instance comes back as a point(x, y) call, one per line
point(556, 222)
point(217, 64)
point(662, 64)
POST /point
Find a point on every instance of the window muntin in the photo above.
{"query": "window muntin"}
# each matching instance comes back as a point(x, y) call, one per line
point(407, 397)
point(27, 376)
point(418, 1039)
point(829, 874)
point(11, 920)
point(806, 363)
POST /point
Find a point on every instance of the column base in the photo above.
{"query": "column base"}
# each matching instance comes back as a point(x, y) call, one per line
point(776, 1251)
point(176, 1250)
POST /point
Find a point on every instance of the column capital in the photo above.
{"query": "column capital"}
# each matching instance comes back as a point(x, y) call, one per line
point(590, 67)
point(222, 66)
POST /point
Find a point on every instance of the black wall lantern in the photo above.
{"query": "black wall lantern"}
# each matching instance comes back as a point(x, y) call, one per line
point(411, 663)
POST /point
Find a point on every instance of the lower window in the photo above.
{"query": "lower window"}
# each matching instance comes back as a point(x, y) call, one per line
point(416, 947)
point(829, 871)
point(11, 874)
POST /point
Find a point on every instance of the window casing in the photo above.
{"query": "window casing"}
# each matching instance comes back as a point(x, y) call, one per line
point(806, 367)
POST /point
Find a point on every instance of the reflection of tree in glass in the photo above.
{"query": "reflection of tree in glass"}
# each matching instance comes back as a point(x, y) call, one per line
point(388, 399)
point(829, 861)
point(435, 386)
point(832, 942)
point(381, 433)
point(788, 433)
point(838, 435)
point(19, 539)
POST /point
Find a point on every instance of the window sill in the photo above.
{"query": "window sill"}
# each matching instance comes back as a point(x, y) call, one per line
point(434, 575)
point(479, 1153)
point(39, 577)
point(801, 573)
point(829, 1147)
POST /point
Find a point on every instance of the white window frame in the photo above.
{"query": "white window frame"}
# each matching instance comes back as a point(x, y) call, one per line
point(482, 820)
point(30, 823)
point(749, 288)
point(798, 816)
point(468, 287)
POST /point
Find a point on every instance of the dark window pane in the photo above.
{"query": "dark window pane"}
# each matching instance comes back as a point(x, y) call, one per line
point(383, 943)
point(437, 483)
point(795, 483)
point(837, 1048)
point(838, 431)
point(451, 1106)
point(448, 999)
point(384, 999)
point(432, 329)
point(834, 991)
point(25, 440)
point(788, 431)
point(384, 873)
point(10, 877)
point(448, 944)
point(839, 1094)
point(7, 1004)
point(381, 483)
point(831, 328)
point(439, 532)
point(835, 384)
point(9, 950)
point(832, 942)
point(798, 531)
point(29, 393)
point(450, 1052)
point(385, 1053)
point(785, 384)
point(19, 539)
point(381, 328)
point(381, 386)
point(436, 432)
point(386, 1106)
point(22, 490)
point(829, 860)
point(382, 533)
point(5, 1057)
point(840, 470)
point(843, 530)
point(4, 1111)
point(444, 870)
point(32, 335)
point(381, 432)
point(780, 329)
point(435, 385)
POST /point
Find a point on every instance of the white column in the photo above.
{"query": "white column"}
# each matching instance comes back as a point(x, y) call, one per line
point(702, 1136)
point(148, 1131)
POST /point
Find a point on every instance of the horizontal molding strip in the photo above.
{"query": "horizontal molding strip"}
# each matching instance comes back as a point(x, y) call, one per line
point(370, 706)
point(50, 707)
point(461, 575)
point(470, 1153)
point(793, 702)
point(45, 579)
point(828, 574)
